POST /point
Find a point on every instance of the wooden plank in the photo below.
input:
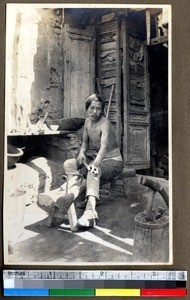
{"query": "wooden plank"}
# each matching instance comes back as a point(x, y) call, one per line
point(155, 11)
point(72, 217)
point(108, 73)
point(107, 91)
point(88, 32)
point(108, 82)
point(108, 17)
point(147, 97)
point(148, 28)
point(106, 64)
point(105, 27)
point(118, 82)
point(80, 37)
point(92, 65)
point(106, 53)
point(156, 25)
point(79, 69)
point(98, 63)
point(159, 40)
point(125, 40)
point(66, 76)
point(108, 46)
point(109, 37)
point(108, 67)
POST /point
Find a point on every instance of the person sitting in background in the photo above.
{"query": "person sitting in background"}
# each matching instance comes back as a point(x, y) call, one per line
point(99, 136)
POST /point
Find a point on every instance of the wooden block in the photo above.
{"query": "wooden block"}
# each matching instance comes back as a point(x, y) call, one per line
point(72, 217)
point(64, 202)
point(127, 172)
point(49, 197)
point(60, 207)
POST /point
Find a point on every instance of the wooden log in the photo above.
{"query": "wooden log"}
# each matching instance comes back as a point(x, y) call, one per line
point(155, 186)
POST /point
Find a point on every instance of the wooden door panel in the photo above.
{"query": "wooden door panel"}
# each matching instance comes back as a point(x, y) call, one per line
point(109, 67)
point(136, 105)
point(138, 154)
point(79, 70)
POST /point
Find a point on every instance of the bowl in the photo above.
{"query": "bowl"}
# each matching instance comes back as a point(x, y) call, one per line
point(13, 155)
point(71, 124)
point(54, 127)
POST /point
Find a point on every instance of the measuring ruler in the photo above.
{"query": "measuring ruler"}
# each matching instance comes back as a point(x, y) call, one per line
point(94, 283)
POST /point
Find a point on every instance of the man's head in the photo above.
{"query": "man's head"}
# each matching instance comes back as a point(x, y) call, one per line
point(94, 97)
point(94, 105)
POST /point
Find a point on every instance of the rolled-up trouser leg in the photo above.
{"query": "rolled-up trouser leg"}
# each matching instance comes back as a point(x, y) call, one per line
point(92, 189)
point(93, 185)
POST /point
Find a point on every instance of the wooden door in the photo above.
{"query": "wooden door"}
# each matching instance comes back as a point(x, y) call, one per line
point(79, 69)
point(136, 104)
point(109, 68)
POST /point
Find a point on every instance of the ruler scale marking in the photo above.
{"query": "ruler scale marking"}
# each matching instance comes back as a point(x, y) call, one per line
point(117, 275)
point(94, 283)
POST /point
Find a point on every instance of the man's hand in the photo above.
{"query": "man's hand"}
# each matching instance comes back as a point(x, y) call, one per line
point(80, 159)
point(91, 168)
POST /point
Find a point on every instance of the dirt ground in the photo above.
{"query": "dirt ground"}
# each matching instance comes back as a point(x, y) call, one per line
point(111, 241)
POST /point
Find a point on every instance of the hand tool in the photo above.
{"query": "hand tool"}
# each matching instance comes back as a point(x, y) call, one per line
point(91, 168)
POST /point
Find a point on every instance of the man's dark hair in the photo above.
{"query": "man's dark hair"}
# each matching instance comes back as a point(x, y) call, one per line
point(94, 97)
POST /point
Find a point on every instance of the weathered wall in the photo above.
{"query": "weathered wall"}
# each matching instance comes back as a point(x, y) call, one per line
point(34, 64)
point(48, 64)
point(21, 48)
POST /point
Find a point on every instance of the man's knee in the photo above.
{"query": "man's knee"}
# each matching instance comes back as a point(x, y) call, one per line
point(69, 164)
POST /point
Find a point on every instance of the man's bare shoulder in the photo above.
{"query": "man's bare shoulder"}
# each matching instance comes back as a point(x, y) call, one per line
point(87, 120)
point(105, 123)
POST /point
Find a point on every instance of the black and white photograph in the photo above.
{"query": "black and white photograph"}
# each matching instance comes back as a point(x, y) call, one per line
point(88, 152)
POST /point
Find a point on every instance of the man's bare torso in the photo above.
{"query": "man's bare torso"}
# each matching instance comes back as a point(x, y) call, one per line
point(94, 131)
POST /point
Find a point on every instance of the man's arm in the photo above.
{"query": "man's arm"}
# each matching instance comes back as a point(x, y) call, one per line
point(84, 145)
point(106, 128)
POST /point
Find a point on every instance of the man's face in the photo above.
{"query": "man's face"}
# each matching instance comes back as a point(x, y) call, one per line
point(95, 110)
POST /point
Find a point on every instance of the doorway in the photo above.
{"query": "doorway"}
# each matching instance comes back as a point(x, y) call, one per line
point(158, 68)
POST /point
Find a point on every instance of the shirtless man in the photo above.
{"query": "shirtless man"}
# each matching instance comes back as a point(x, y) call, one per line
point(98, 136)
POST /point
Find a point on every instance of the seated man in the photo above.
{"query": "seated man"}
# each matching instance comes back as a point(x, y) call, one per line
point(98, 135)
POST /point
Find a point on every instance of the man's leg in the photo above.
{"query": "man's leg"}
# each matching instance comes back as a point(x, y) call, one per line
point(90, 215)
point(107, 170)
point(70, 167)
